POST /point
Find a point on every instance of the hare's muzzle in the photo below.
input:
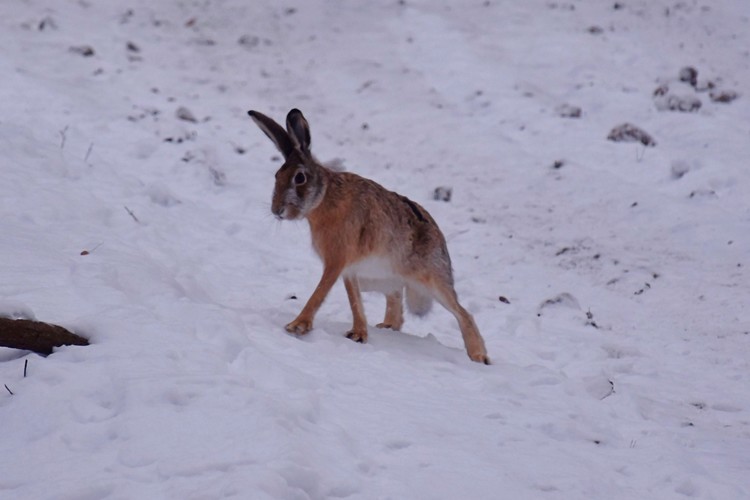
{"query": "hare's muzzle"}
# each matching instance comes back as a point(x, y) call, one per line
point(279, 211)
point(282, 209)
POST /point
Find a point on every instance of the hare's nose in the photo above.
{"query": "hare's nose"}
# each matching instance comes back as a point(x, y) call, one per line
point(279, 211)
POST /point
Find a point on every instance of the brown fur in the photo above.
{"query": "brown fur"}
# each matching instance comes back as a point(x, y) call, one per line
point(374, 238)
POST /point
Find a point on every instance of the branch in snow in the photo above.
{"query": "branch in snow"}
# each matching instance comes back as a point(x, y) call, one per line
point(36, 336)
point(132, 215)
point(64, 136)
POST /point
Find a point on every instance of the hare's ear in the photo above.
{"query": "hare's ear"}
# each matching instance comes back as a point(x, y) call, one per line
point(299, 130)
point(274, 131)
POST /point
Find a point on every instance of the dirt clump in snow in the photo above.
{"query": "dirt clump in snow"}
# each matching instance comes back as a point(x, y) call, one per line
point(627, 132)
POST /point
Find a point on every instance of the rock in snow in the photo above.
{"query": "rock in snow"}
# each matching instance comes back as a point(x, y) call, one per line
point(627, 132)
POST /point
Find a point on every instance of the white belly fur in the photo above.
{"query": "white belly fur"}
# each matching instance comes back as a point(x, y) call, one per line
point(375, 274)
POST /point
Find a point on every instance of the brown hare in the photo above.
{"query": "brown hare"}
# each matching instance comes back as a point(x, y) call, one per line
point(374, 238)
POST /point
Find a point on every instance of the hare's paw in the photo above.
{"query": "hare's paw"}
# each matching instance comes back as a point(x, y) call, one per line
point(357, 336)
point(390, 326)
point(480, 357)
point(299, 326)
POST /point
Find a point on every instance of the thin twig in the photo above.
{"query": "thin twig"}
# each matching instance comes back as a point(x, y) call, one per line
point(64, 135)
point(611, 390)
point(25, 365)
point(6, 388)
point(640, 153)
point(88, 153)
point(89, 252)
point(132, 215)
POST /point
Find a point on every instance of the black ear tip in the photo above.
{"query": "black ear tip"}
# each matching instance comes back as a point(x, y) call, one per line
point(252, 113)
point(294, 112)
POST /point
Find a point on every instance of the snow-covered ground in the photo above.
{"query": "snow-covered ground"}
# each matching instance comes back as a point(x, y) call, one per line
point(621, 362)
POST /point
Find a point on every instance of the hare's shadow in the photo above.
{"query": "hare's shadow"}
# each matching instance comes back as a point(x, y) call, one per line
point(398, 343)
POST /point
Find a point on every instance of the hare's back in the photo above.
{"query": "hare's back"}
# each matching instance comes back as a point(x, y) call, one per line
point(394, 232)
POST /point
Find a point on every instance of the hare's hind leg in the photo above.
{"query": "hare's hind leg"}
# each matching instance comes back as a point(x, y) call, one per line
point(394, 311)
point(358, 333)
point(446, 295)
point(473, 341)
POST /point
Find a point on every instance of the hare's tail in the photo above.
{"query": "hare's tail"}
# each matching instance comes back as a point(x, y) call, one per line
point(418, 301)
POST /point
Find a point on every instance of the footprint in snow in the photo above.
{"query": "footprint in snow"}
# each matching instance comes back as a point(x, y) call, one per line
point(398, 444)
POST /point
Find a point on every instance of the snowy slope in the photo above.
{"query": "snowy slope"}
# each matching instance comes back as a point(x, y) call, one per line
point(621, 362)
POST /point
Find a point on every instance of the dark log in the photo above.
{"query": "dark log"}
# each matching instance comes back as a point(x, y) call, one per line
point(36, 336)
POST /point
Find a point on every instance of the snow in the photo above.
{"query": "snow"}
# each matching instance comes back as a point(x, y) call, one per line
point(621, 363)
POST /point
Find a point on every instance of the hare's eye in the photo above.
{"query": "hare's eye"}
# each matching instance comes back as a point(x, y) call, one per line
point(300, 178)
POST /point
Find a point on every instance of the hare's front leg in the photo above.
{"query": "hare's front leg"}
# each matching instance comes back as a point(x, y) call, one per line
point(303, 323)
point(358, 333)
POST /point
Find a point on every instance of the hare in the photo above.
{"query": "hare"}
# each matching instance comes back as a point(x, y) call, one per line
point(374, 238)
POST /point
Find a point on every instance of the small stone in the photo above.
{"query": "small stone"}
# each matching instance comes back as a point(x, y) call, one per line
point(688, 74)
point(627, 132)
point(704, 85)
point(204, 41)
point(678, 169)
point(661, 90)
point(568, 111)
point(249, 41)
point(185, 114)
point(685, 104)
point(723, 96)
point(47, 22)
point(83, 50)
point(442, 193)
point(702, 193)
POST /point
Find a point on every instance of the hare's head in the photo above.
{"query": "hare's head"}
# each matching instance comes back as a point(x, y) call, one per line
point(300, 183)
